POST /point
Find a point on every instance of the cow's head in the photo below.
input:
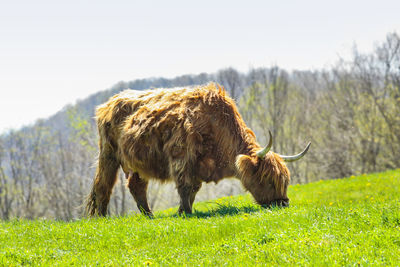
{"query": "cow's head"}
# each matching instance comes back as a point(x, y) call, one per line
point(266, 176)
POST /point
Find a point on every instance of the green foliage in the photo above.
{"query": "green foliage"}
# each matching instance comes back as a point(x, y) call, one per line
point(351, 221)
point(82, 129)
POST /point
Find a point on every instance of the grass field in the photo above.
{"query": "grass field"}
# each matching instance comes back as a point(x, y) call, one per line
point(350, 221)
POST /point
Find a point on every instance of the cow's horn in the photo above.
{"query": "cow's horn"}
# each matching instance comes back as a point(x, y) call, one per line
point(296, 157)
point(261, 153)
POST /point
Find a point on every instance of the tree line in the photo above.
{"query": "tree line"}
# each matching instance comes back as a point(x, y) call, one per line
point(350, 113)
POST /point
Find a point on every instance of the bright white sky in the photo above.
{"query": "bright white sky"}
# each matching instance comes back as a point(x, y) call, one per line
point(54, 52)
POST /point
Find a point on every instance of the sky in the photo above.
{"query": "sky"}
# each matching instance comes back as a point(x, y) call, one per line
point(55, 52)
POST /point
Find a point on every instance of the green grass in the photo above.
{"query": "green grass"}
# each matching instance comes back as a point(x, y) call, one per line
point(351, 221)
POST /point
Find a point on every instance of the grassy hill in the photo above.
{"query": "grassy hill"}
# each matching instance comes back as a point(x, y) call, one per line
point(350, 221)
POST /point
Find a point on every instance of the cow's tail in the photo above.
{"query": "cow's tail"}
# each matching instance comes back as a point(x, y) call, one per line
point(91, 207)
point(105, 178)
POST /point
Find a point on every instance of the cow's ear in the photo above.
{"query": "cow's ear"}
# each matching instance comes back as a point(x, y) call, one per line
point(245, 165)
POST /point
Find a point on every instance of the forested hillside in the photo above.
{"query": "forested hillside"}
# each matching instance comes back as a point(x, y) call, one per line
point(350, 112)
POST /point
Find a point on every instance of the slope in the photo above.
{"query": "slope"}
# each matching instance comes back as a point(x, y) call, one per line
point(348, 221)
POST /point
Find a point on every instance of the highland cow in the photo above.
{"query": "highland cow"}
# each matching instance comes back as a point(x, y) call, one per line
point(186, 135)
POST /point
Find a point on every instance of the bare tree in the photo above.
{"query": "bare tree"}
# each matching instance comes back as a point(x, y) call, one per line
point(232, 81)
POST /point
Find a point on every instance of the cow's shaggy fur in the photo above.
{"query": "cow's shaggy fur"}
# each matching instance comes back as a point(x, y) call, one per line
point(187, 135)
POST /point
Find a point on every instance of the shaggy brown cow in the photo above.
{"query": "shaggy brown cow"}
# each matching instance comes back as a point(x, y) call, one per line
point(188, 135)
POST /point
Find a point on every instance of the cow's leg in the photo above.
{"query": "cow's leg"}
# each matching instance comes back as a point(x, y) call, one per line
point(187, 193)
point(195, 189)
point(106, 176)
point(138, 189)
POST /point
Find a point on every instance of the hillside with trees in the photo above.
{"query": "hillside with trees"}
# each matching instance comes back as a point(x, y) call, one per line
point(350, 113)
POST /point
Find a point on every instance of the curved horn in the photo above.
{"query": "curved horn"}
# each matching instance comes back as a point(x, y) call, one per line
point(296, 157)
point(261, 153)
